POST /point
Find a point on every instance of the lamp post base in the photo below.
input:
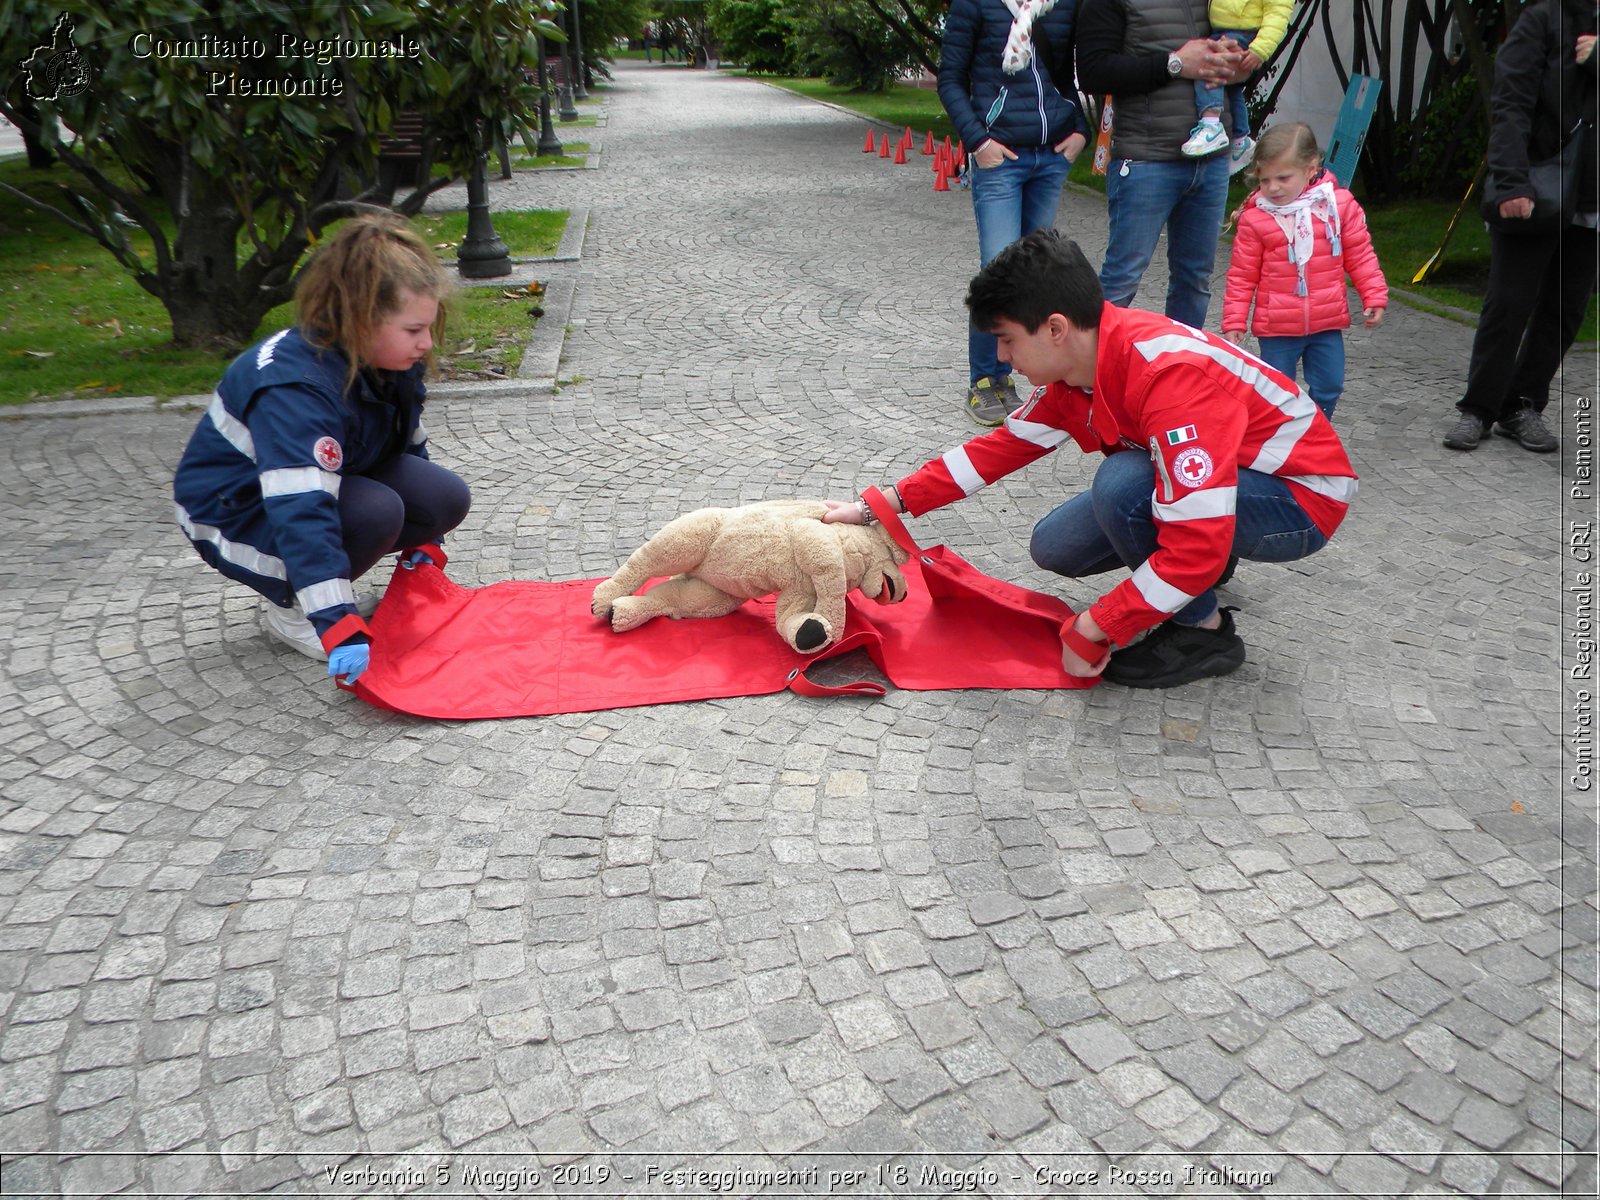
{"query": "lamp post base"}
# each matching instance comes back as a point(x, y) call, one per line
point(481, 255)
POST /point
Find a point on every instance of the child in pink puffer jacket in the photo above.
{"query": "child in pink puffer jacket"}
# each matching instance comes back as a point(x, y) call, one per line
point(1299, 235)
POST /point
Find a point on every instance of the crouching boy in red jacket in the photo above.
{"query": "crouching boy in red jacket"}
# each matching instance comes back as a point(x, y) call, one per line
point(1210, 456)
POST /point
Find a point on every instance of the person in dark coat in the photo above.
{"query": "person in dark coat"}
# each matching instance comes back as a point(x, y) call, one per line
point(1539, 283)
point(1005, 79)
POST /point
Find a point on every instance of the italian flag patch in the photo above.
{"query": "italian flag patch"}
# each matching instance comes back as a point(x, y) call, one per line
point(1177, 437)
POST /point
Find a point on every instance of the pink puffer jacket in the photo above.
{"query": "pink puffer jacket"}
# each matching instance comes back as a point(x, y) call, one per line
point(1260, 270)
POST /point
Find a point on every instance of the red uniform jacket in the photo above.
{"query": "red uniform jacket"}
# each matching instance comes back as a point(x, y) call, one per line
point(1203, 409)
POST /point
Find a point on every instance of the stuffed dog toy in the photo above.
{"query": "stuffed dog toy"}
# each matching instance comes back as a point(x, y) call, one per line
point(720, 557)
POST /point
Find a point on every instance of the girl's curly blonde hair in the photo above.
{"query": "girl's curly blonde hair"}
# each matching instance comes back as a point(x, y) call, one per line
point(358, 279)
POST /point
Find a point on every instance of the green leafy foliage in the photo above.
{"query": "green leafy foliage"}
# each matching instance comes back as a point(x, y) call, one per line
point(849, 44)
point(232, 134)
point(757, 33)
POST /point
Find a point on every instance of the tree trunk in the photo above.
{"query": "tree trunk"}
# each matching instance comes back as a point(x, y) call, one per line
point(208, 301)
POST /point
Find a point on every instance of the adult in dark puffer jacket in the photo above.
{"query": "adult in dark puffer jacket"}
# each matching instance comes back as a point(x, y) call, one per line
point(1539, 284)
point(1005, 78)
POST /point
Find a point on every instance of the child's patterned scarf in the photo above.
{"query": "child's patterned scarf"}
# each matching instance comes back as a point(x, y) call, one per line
point(1019, 44)
point(1294, 218)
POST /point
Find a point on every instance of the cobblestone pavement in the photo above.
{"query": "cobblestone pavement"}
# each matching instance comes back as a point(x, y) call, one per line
point(1329, 920)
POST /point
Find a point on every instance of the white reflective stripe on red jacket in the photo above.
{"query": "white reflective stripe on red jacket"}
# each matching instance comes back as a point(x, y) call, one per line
point(1221, 388)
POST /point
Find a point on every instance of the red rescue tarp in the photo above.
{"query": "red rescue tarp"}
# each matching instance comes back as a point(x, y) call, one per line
point(524, 649)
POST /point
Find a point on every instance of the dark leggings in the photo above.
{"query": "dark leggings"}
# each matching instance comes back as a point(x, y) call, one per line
point(404, 502)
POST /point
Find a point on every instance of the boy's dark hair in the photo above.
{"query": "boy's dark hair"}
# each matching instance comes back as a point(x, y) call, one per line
point(1042, 273)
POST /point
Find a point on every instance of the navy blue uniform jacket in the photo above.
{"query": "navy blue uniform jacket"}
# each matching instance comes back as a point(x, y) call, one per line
point(257, 489)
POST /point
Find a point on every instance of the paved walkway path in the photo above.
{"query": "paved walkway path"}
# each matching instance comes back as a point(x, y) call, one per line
point(1328, 919)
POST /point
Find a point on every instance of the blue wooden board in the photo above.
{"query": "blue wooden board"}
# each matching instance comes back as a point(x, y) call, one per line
point(1350, 128)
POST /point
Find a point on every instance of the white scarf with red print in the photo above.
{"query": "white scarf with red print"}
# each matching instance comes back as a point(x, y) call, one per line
point(1019, 44)
point(1294, 218)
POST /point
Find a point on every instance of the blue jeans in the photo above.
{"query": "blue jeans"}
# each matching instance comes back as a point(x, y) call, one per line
point(1208, 96)
point(1187, 197)
point(1016, 197)
point(1110, 526)
point(1323, 355)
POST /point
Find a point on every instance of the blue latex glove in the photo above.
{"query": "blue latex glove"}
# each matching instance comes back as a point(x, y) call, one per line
point(350, 660)
point(411, 558)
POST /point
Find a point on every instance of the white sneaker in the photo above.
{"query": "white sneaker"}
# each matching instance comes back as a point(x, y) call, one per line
point(289, 626)
point(1239, 152)
point(1206, 138)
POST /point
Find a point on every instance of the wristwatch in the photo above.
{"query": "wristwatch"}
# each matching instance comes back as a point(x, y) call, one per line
point(1174, 65)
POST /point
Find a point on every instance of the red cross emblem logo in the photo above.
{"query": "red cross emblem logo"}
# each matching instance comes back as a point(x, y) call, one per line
point(1193, 466)
point(328, 454)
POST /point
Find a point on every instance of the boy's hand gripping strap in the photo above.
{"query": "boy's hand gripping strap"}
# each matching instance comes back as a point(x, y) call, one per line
point(1086, 648)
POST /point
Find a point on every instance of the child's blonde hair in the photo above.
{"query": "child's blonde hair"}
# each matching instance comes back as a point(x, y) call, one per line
point(1286, 139)
point(356, 280)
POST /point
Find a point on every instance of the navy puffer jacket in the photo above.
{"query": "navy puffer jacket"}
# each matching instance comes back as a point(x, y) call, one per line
point(1025, 109)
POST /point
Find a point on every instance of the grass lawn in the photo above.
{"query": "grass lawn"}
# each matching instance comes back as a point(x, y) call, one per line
point(572, 156)
point(75, 324)
point(1405, 233)
point(900, 104)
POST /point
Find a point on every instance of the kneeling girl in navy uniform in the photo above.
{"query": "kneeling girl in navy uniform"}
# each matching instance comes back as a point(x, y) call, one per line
point(311, 463)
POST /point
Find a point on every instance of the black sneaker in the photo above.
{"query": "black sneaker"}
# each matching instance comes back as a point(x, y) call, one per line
point(1466, 433)
point(1528, 427)
point(1171, 654)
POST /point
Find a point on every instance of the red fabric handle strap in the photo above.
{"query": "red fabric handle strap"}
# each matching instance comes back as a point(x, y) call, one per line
point(434, 551)
point(801, 686)
point(881, 508)
point(1086, 648)
point(342, 632)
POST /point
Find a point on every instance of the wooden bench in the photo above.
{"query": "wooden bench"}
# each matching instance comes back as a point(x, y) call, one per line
point(405, 156)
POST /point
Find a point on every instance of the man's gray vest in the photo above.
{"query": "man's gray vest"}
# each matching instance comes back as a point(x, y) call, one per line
point(1152, 126)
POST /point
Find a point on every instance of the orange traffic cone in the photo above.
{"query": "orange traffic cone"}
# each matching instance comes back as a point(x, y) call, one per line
point(940, 183)
point(951, 167)
point(906, 137)
point(947, 147)
point(868, 147)
point(927, 146)
point(900, 153)
point(883, 150)
point(961, 158)
point(938, 160)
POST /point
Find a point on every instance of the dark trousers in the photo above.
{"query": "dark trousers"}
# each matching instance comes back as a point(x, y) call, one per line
point(1539, 288)
point(402, 503)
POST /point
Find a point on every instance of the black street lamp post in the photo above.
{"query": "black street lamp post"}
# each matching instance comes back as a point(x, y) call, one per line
point(568, 112)
point(481, 255)
point(549, 143)
point(579, 92)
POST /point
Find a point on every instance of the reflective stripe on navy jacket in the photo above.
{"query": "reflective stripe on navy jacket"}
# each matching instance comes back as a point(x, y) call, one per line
point(1025, 109)
point(257, 489)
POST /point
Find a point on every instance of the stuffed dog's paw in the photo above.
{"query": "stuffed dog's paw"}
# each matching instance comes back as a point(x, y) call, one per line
point(605, 595)
point(630, 612)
